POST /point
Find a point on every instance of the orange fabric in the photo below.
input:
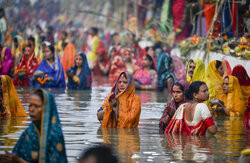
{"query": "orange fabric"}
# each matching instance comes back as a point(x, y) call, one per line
point(233, 100)
point(68, 57)
point(129, 110)
point(11, 102)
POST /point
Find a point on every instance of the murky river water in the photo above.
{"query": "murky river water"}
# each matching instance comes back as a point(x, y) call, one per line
point(81, 129)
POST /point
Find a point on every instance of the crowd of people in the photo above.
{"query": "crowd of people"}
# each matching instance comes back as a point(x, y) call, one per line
point(198, 93)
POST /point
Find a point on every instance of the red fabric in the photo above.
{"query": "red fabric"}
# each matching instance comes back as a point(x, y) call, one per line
point(179, 126)
point(117, 67)
point(241, 73)
point(30, 64)
point(101, 52)
point(229, 70)
point(247, 115)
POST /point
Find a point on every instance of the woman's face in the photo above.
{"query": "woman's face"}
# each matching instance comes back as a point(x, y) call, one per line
point(146, 62)
point(177, 94)
point(27, 51)
point(225, 85)
point(221, 70)
point(122, 84)
point(79, 61)
point(203, 94)
point(35, 108)
point(47, 53)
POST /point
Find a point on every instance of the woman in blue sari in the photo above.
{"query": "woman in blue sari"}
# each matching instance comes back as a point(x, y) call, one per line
point(49, 73)
point(79, 76)
point(43, 140)
point(166, 79)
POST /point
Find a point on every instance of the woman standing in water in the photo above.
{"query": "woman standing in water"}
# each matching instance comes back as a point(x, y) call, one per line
point(79, 76)
point(10, 105)
point(178, 93)
point(193, 118)
point(43, 140)
point(122, 108)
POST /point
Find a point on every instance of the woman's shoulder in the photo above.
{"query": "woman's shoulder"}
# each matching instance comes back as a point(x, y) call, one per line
point(152, 72)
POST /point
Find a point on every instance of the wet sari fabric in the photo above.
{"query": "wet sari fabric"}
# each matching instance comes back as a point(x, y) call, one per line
point(11, 105)
point(201, 121)
point(48, 144)
point(6, 63)
point(129, 107)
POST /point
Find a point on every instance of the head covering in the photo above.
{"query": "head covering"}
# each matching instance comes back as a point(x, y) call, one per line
point(48, 146)
point(227, 67)
point(240, 72)
point(6, 62)
point(179, 68)
point(199, 71)
point(128, 104)
point(233, 100)
point(163, 68)
point(172, 104)
point(84, 77)
point(214, 80)
point(69, 54)
point(10, 100)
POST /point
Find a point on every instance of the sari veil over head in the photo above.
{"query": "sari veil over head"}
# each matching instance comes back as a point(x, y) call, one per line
point(6, 63)
point(129, 106)
point(199, 71)
point(10, 100)
point(48, 144)
point(84, 77)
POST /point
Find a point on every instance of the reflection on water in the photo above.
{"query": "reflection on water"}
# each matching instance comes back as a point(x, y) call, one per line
point(77, 111)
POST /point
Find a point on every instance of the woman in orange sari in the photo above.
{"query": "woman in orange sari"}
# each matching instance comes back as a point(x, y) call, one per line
point(10, 105)
point(26, 67)
point(122, 108)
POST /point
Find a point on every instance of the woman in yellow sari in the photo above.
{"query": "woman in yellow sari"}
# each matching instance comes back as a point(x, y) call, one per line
point(214, 77)
point(195, 70)
point(122, 108)
point(10, 104)
point(231, 100)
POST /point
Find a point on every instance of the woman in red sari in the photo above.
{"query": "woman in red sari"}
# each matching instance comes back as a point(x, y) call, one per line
point(102, 64)
point(193, 118)
point(26, 67)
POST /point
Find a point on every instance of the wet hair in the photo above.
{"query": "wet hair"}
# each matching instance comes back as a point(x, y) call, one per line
point(148, 47)
point(100, 153)
point(193, 88)
point(218, 64)
point(95, 30)
point(51, 46)
point(15, 39)
point(124, 75)
point(151, 60)
point(39, 93)
point(32, 39)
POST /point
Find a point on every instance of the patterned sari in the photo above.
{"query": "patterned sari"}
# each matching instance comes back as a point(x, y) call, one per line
point(47, 143)
point(84, 77)
point(54, 70)
point(180, 126)
point(129, 107)
point(10, 103)
point(233, 100)
point(163, 69)
point(28, 65)
point(199, 71)
point(6, 63)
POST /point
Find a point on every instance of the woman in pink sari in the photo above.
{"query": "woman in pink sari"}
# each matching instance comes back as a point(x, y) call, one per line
point(6, 63)
point(193, 118)
point(178, 68)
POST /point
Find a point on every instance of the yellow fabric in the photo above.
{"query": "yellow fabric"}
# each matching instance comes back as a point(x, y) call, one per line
point(17, 51)
point(213, 80)
point(245, 90)
point(92, 56)
point(59, 46)
point(129, 109)
point(11, 100)
point(199, 71)
point(233, 100)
